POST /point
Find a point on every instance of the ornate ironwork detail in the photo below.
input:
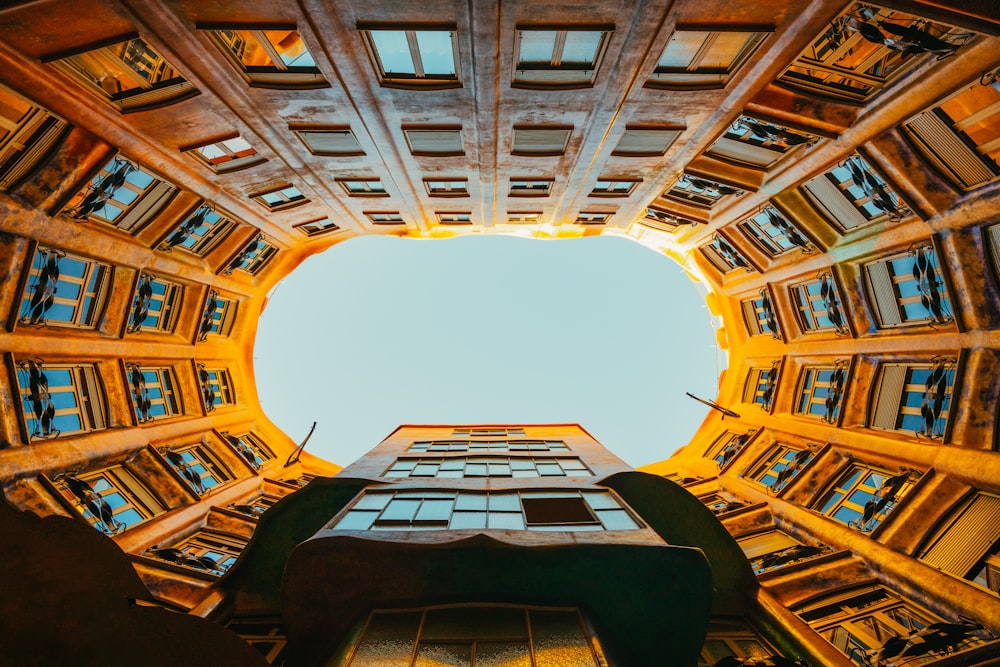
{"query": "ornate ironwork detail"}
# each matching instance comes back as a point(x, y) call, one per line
point(243, 449)
point(255, 245)
point(98, 194)
point(208, 315)
point(907, 39)
point(173, 555)
point(770, 379)
point(90, 501)
point(38, 401)
point(776, 134)
point(831, 302)
point(186, 228)
point(875, 189)
point(769, 661)
point(793, 235)
point(140, 303)
point(930, 284)
point(835, 393)
point(935, 639)
point(185, 470)
point(43, 290)
point(711, 188)
point(789, 472)
point(936, 392)
point(140, 395)
point(731, 254)
point(207, 390)
point(770, 318)
point(786, 556)
point(882, 502)
point(734, 447)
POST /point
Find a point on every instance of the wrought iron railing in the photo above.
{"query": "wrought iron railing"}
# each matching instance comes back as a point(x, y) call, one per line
point(38, 400)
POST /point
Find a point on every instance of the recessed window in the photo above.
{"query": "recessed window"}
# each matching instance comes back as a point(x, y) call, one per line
point(122, 194)
point(761, 385)
point(523, 217)
point(861, 52)
point(774, 549)
point(206, 551)
point(316, 227)
point(130, 75)
point(759, 316)
point(454, 218)
point(447, 187)
point(270, 58)
point(961, 136)
point(493, 466)
point(332, 141)
point(60, 399)
point(250, 448)
point(846, 500)
point(664, 220)
point(724, 256)
point(773, 233)
point(779, 466)
point(435, 141)
point(728, 446)
point(592, 217)
point(414, 58)
point(558, 58)
point(540, 141)
point(216, 387)
point(645, 141)
point(217, 317)
point(226, 155)
point(252, 257)
point(266, 636)
point(614, 187)
point(914, 398)
point(852, 194)
point(153, 391)
point(821, 391)
point(363, 187)
point(198, 466)
point(818, 305)
point(27, 134)
point(694, 59)
point(280, 198)
point(200, 232)
point(968, 544)
point(116, 489)
point(530, 187)
point(488, 446)
point(700, 191)
point(385, 217)
point(909, 288)
point(155, 305)
point(757, 143)
point(64, 290)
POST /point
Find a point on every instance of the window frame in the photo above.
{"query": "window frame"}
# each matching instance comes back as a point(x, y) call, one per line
point(366, 188)
point(146, 202)
point(316, 227)
point(25, 140)
point(201, 243)
point(216, 384)
point(278, 75)
point(610, 189)
point(774, 461)
point(811, 390)
point(530, 187)
point(841, 498)
point(556, 74)
point(708, 78)
point(287, 200)
point(644, 146)
point(196, 463)
point(222, 325)
point(966, 542)
point(487, 466)
point(149, 291)
point(774, 233)
point(757, 143)
point(889, 405)
point(384, 217)
point(529, 134)
point(410, 132)
point(118, 480)
point(420, 79)
point(593, 217)
point(303, 132)
point(231, 159)
point(89, 407)
point(460, 217)
point(165, 398)
point(889, 300)
point(433, 191)
point(816, 313)
point(40, 293)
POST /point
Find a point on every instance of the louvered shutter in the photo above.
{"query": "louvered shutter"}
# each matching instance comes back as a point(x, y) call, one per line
point(968, 538)
point(831, 201)
point(889, 394)
point(946, 150)
point(883, 293)
point(765, 543)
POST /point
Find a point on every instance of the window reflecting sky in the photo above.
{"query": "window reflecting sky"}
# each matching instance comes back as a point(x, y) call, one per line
point(381, 331)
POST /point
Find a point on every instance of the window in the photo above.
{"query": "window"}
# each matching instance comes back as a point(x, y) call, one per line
point(112, 500)
point(908, 289)
point(862, 52)
point(225, 155)
point(445, 187)
point(493, 466)
point(434, 142)
point(852, 194)
point(700, 192)
point(454, 218)
point(646, 141)
point(123, 195)
point(757, 143)
point(774, 549)
point(251, 448)
point(385, 217)
point(218, 317)
point(779, 466)
point(331, 141)
point(967, 544)
point(914, 398)
point(759, 316)
point(269, 58)
point(760, 386)
point(27, 135)
point(130, 75)
point(280, 198)
point(267, 636)
point(530, 188)
point(773, 233)
point(488, 431)
point(154, 305)
point(60, 399)
point(256, 506)
point(727, 447)
point(456, 510)
point(216, 387)
point(64, 290)
point(863, 497)
point(731, 640)
point(200, 232)
point(862, 622)
point(721, 503)
point(198, 467)
point(363, 187)
point(488, 445)
point(533, 141)
point(664, 220)
point(558, 58)
point(414, 58)
point(817, 305)
point(207, 551)
point(592, 217)
point(698, 59)
point(252, 258)
point(153, 391)
point(820, 393)
point(724, 256)
point(487, 635)
point(523, 217)
point(316, 227)
point(614, 187)
point(961, 136)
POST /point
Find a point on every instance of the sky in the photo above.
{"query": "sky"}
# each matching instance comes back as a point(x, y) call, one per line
point(380, 331)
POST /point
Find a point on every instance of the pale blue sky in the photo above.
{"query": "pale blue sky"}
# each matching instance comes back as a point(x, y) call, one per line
point(380, 331)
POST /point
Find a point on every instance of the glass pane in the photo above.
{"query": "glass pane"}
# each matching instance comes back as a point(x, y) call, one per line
point(443, 655)
point(725, 48)
point(436, 53)
point(393, 51)
point(290, 47)
point(682, 48)
point(400, 510)
point(503, 654)
point(537, 46)
point(435, 511)
point(471, 623)
point(506, 521)
point(504, 502)
point(616, 520)
point(581, 46)
point(559, 640)
point(388, 640)
point(460, 520)
point(471, 501)
point(373, 501)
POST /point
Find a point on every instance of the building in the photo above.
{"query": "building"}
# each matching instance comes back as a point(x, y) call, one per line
point(827, 170)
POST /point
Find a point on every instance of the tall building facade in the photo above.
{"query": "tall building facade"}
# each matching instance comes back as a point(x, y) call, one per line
point(826, 170)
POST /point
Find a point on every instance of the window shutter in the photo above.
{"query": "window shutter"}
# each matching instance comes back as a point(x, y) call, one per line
point(889, 393)
point(147, 208)
point(946, 150)
point(750, 316)
point(880, 284)
point(765, 543)
point(435, 142)
point(540, 142)
point(744, 153)
point(645, 142)
point(969, 536)
point(331, 142)
point(716, 259)
point(993, 242)
point(753, 382)
point(834, 203)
